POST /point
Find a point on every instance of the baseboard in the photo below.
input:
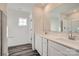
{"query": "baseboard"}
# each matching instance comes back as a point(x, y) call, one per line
point(19, 45)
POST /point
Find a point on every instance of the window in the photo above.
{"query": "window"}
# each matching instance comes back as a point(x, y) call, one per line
point(22, 21)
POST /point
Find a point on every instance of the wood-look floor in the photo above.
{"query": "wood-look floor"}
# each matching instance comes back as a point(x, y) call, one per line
point(22, 50)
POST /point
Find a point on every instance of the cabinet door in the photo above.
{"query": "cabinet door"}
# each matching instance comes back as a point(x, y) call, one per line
point(52, 51)
point(38, 44)
point(44, 47)
point(0, 33)
point(57, 49)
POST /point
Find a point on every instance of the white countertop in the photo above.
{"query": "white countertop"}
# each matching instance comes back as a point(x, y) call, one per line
point(62, 39)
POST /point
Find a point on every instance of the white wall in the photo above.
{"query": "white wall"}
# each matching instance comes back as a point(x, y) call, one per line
point(3, 8)
point(17, 35)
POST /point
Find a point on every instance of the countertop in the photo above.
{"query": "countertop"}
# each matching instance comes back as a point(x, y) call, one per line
point(62, 39)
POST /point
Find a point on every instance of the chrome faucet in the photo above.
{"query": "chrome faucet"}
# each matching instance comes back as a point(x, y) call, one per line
point(71, 37)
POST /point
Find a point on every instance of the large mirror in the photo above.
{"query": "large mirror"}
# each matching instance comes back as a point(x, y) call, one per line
point(64, 18)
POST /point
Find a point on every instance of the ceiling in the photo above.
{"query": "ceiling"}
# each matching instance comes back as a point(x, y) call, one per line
point(63, 9)
point(26, 7)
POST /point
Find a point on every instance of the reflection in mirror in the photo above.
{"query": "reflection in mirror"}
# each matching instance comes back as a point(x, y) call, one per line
point(75, 26)
point(72, 21)
point(55, 24)
point(75, 22)
point(61, 18)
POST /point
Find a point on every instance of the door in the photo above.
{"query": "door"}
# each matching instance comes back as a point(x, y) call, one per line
point(18, 28)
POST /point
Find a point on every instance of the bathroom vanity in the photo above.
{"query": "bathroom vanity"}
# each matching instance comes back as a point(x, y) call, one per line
point(60, 36)
point(48, 45)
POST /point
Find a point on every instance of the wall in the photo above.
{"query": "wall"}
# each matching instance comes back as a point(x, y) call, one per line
point(40, 23)
point(40, 20)
point(17, 35)
point(3, 8)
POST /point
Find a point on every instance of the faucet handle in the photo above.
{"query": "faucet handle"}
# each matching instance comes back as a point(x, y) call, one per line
point(71, 37)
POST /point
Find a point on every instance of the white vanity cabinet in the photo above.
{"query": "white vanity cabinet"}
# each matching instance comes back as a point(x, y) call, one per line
point(45, 47)
point(52, 50)
point(41, 45)
point(38, 44)
point(56, 49)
